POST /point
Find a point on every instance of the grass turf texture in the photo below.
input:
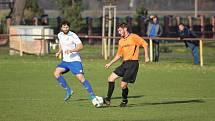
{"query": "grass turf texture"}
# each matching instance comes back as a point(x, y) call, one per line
point(164, 91)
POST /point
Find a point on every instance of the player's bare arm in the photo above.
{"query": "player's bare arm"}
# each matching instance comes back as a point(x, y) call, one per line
point(77, 49)
point(116, 58)
point(146, 54)
point(59, 51)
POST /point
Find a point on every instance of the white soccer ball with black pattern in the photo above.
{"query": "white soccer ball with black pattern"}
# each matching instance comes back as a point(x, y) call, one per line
point(98, 101)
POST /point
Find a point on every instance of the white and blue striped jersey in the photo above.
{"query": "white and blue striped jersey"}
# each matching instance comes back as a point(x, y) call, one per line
point(68, 42)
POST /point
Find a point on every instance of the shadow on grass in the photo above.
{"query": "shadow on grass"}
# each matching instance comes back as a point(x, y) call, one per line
point(157, 103)
point(150, 103)
point(135, 96)
point(167, 103)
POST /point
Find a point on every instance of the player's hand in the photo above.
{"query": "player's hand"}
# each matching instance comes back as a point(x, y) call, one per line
point(57, 54)
point(68, 51)
point(147, 60)
point(107, 65)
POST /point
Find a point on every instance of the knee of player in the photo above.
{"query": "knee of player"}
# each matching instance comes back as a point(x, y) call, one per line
point(111, 79)
point(123, 86)
point(56, 74)
point(80, 77)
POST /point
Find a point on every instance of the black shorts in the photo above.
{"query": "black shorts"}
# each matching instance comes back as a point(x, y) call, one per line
point(128, 70)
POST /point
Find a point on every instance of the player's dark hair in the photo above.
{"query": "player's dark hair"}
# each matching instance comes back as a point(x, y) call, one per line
point(65, 22)
point(181, 24)
point(122, 25)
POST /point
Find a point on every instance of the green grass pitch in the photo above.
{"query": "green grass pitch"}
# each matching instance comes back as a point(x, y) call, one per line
point(164, 91)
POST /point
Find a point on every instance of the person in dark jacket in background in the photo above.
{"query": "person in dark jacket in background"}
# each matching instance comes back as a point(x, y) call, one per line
point(184, 32)
point(154, 29)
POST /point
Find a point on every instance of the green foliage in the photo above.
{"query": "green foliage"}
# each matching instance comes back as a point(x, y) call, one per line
point(3, 26)
point(141, 10)
point(71, 11)
point(32, 9)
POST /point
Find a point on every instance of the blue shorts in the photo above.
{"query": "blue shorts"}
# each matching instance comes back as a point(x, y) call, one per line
point(75, 67)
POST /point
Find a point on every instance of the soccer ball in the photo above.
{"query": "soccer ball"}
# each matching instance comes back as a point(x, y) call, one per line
point(97, 102)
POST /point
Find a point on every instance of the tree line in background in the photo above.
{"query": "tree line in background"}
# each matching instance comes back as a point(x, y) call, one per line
point(70, 10)
point(27, 9)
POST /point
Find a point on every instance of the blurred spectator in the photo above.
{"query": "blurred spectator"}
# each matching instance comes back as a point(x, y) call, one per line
point(44, 20)
point(8, 22)
point(154, 30)
point(184, 32)
point(23, 22)
point(35, 21)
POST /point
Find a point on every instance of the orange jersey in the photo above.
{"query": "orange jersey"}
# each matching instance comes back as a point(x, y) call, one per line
point(128, 48)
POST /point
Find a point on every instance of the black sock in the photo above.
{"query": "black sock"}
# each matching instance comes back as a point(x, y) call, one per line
point(111, 86)
point(125, 94)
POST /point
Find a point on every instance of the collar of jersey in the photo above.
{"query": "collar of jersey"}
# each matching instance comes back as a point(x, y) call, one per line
point(69, 33)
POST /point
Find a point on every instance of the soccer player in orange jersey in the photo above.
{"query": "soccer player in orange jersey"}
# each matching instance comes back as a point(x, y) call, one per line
point(128, 50)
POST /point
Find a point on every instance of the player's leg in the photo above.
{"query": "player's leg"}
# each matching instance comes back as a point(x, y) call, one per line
point(58, 75)
point(131, 69)
point(118, 72)
point(124, 87)
point(111, 85)
point(86, 85)
point(77, 69)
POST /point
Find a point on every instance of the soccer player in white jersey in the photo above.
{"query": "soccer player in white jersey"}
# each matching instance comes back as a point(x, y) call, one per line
point(70, 45)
